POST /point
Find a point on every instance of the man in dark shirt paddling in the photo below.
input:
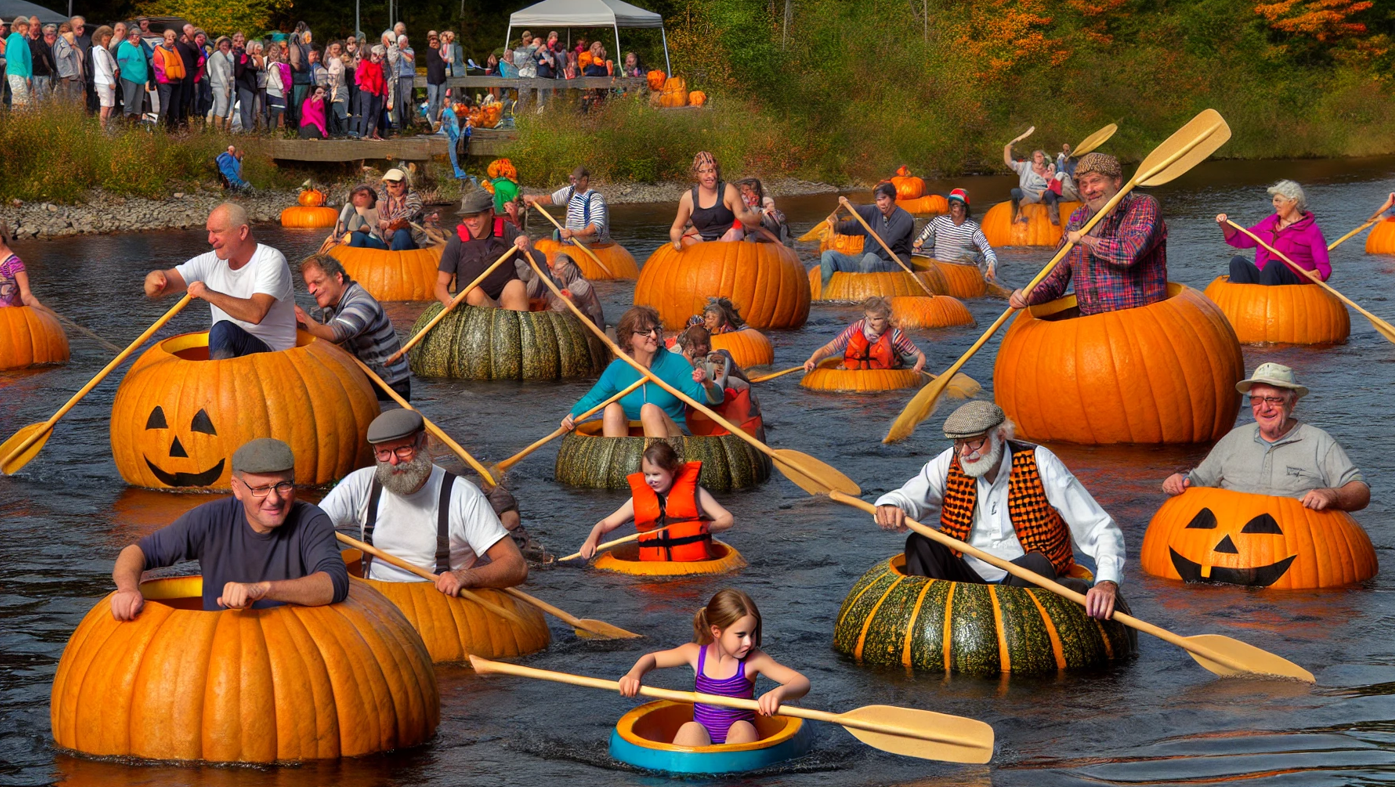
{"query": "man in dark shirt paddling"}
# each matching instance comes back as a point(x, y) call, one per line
point(258, 549)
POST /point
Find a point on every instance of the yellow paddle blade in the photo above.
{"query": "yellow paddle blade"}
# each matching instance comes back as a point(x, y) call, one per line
point(1094, 140)
point(1205, 133)
point(1257, 662)
point(589, 628)
point(811, 475)
point(820, 232)
point(960, 739)
point(12, 464)
point(919, 408)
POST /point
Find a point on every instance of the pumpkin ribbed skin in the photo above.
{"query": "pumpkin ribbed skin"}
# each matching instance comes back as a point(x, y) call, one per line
point(748, 347)
point(300, 217)
point(1282, 314)
point(392, 275)
point(922, 311)
point(831, 376)
point(624, 559)
point(312, 396)
point(847, 244)
point(499, 344)
point(1038, 230)
point(588, 459)
point(29, 337)
point(928, 205)
point(859, 287)
point(454, 627)
point(961, 281)
point(1162, 373)
point(765, 281)
point(1382, 237)
point(1323, 548)
point(621, 262)
point(258, 686)
point(938, 626)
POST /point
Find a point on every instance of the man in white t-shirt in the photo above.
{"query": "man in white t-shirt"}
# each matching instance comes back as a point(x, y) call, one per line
point(398, 506)
point(587, 219)
point(247, 286)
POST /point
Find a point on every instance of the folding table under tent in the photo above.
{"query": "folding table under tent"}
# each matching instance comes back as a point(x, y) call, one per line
point(589, 13)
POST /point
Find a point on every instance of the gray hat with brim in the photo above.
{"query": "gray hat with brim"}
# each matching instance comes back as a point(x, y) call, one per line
point(1275, 374)
point(395, 425)
point(477, 201)
point(263, 455)
point(974, 418)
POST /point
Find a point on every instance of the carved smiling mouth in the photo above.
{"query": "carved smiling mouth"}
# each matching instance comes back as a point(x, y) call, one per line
point(186, 479)
point(1259, 576)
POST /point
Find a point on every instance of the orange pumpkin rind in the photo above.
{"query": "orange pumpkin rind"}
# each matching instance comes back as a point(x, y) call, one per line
point(1282, 314)
point(30, 337)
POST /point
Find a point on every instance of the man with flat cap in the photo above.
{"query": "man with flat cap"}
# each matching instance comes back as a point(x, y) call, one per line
point(413, 509)
point(259, 548)
point(1011, 499)
point(479, 240)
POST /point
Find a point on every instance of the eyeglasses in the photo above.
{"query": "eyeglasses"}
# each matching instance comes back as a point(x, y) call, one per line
point(652, 330)
point(404, 453)
point(282, 489)
point(970, 445)
point(1275, 401)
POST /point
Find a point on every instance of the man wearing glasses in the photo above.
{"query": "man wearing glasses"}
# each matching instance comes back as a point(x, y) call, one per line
point(259, 548)
point(409, 507)
point(1276, 455)
point(1011, 499)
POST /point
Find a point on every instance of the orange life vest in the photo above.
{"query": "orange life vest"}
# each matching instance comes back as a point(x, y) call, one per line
point(687, 538)
point(862, 354)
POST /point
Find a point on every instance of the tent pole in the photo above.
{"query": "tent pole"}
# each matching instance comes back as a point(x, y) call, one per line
point(668, 69)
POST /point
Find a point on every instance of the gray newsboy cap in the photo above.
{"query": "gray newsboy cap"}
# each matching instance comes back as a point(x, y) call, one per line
point(263, 455)
point(395, 425)
point(973, 418)
point(477, 201)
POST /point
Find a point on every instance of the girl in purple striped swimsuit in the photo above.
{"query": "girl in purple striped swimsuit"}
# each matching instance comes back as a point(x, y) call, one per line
point(725, 655)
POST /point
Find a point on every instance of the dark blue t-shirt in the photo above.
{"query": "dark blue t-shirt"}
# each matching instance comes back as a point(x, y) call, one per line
point(228, 549)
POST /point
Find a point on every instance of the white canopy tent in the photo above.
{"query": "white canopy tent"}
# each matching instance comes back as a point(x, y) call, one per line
point(614, 14)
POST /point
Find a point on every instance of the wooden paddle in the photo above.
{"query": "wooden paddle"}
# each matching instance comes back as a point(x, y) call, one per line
point(459, 296)
point(430, 427)
point(766, 377)
point(907, 731)
point(586, 628)
point(844, 202)
point(1219, 654)
point(500, 468)
point(1375, 217)
point(25, 444)
point(806, 472)
point(1094, 141)
point(1382, 327)
point(1179, 153)
point(84, 331)
point(575, 240)
point(466, 593)
point(607, 545)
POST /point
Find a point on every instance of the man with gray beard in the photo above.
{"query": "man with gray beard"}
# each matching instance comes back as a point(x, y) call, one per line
point(412, 509)
point(1011, 499)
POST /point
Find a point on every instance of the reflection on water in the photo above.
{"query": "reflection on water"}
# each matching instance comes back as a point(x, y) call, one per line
point(1158, 718)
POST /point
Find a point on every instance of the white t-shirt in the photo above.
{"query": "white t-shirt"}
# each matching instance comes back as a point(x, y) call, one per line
point(406, 526)
point(267, 272)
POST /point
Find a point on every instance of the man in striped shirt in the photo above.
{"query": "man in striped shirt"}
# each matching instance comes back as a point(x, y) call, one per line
point(354, 320)
point(954, 238)
point(587, 218)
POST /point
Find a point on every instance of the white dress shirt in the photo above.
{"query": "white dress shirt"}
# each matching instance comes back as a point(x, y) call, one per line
point(1092, 531)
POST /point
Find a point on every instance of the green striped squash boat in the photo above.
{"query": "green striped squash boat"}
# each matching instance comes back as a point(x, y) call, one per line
point(934, 625)
point(472, 343)
point(588, 459)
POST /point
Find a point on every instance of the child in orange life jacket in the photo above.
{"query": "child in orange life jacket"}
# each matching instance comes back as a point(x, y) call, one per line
point(871, 343)
point(726, 642)
point(666, 493)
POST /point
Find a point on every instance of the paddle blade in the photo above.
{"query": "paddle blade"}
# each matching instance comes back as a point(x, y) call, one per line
point(12, 464)
point(1257, 662)
point(589, 628)
point(918, 409)
point(1094, 140)
point(960, 739)
point(811, 475)
point(1208, 130)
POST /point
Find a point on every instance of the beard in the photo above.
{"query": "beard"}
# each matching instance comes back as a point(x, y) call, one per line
point(407, 477)
point(985, 463)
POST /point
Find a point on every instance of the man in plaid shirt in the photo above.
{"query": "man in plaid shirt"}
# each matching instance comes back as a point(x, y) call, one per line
point(1122, 263)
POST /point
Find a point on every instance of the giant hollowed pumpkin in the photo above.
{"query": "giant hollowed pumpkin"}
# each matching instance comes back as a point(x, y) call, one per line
point(258, 686)
point(859, 287)
point(922, 311)
point(499, 344)
point(1162, 373)
point(748, 347)
point(1221, 536)
point(178, 417)
point(928, 205)
point(1037, 230)
point(1282, 314)
point(831, 376)
point(962, 280)
point(392, 275)
point(764, 280)
point(587, 458)
point(30, 337)
point(299, 217)
point(621, 263)
point(1382, 237)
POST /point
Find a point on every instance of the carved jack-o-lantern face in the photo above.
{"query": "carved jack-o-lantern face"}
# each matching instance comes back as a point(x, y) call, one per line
point(1228, 559)
point(200, 424)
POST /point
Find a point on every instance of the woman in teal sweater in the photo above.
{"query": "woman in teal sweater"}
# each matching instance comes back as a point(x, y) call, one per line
point(640, 335)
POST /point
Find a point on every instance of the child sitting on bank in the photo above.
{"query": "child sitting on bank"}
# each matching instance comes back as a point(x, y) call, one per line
point(871, 342)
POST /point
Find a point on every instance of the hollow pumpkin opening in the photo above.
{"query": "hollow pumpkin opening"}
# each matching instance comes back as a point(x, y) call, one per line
point(176, 592)
point(194, 346)
point(1066, 308)
point(661, 724)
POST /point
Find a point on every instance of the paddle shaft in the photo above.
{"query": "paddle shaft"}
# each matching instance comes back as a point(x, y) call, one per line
point(430, 427)
point(518, 457)
point(844, 202)
point(102, 375)
point(460, 296)
point(594, 258)
point(617, 542)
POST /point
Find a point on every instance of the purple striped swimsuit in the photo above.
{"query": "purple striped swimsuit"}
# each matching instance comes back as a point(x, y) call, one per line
point(715, 718)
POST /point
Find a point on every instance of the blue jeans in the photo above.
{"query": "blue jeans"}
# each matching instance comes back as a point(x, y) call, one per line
point(227, 339)
point(834, 261)
point(363, 240)
point(402, 241)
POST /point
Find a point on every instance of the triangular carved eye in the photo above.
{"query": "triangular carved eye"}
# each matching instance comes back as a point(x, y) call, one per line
point(1204, 520)
point(1262, 524)
point(202, 423)
point(156, 419)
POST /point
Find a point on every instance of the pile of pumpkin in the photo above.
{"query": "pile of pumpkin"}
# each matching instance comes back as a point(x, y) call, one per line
point(667, 91)
point(309, 212)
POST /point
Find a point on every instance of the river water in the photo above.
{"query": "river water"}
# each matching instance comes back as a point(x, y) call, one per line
point(1159, 718)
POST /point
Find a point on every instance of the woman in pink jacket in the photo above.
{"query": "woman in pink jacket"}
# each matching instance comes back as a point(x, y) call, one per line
point(1292, 230)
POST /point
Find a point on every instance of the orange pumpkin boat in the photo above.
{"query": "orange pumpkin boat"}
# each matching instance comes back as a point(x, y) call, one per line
point(1162, 373)
point(748, 347)
point(830, 376)
point(1283, 314)
point(1037, 230)
point(1382, 237)
point(620, 262)
point(922, 311)
point(764, 280)
point(30, 337)
point(392, 275)
point(1221, 536)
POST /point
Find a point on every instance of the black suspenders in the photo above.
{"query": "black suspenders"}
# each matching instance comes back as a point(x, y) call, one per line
point(375, 494)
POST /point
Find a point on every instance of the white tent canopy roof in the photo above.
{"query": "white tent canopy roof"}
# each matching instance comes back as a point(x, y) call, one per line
point(585, 13)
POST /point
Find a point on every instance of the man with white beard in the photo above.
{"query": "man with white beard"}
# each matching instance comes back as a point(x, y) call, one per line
point(1011, 499)
point(410, 508)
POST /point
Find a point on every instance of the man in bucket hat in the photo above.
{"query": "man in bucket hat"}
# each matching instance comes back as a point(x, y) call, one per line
point(1276, 455)
point(1011, 499)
